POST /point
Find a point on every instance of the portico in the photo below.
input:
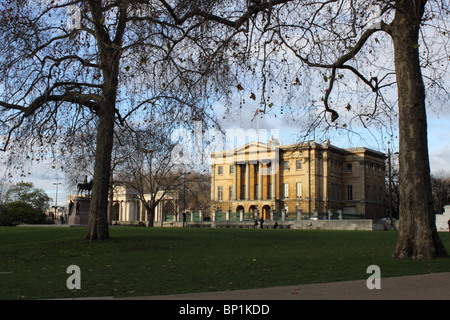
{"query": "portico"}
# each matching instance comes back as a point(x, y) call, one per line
point(251, 177)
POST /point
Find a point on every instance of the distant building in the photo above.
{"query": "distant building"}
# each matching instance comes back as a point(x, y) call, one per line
point(316, 178)
point(443, 219)
point(128, 209)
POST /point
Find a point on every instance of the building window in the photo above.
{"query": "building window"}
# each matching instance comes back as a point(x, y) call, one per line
point(332, 192)
point(299, 189)
point(285, 190)
point(231, 169)
point(270, 191)
point(220, 193)
point(285, 165)
point(256, 191)
point(220, 170)
point(231, 193)
point(349, 192)
point(349, 168)
point(298, 164)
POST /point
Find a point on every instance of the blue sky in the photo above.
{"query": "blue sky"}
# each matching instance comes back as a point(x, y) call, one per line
point(45, 177)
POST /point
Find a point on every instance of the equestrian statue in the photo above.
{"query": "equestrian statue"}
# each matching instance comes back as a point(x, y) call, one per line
point(85, 186)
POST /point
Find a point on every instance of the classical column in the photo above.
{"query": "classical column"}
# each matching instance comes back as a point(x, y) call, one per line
point(247, 180)
point(125, 212)
point(266, 182)
point(213, 180)
point(260, 181)
point(251, 179)
point(158, 213)
point(235, 186)
point(238, 181)
point(274, 182)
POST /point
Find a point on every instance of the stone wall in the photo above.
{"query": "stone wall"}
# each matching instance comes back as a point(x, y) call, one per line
point(356, 225)
point(441, 219)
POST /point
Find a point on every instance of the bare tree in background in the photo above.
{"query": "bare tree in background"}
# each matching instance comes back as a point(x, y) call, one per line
point(387, 49)
point(65, 64)
point(198, 192)
point(121, 43)
point(440, 183)
point(148, 167)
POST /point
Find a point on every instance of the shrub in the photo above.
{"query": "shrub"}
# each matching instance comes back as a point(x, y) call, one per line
point(18, 212)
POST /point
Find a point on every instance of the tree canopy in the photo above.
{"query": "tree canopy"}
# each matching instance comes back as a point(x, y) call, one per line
point(98, 64)
point(375, 60)
point(26, 192)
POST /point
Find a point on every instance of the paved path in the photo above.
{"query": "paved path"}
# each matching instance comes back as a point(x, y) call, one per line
point(435, 286)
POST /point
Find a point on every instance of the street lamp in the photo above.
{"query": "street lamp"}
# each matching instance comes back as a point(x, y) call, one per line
point(56, 201)
point(184, 196)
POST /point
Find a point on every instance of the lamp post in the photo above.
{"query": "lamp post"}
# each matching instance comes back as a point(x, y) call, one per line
point(390, 185)
point(184, 195)
point(56, 201)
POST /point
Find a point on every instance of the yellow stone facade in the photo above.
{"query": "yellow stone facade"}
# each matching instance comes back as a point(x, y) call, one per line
point(312, 177)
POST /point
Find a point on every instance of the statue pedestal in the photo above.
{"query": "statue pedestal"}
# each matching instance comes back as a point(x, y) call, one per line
point(80, 211)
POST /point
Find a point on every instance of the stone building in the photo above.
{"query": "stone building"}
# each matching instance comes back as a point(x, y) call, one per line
point(442, 220)
point(128, 209)
point(312, 179)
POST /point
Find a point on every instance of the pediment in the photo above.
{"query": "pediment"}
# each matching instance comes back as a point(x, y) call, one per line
point(252, 152)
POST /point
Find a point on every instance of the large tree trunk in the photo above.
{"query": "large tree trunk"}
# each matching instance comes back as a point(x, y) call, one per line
point(418, 237)
point(109, 56)
point(98, 222)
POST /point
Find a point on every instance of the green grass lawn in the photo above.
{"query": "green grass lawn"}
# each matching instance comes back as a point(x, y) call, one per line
point(154, 261)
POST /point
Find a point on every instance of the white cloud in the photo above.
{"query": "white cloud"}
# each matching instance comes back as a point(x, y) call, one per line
point(42, 175)
point(440, 159)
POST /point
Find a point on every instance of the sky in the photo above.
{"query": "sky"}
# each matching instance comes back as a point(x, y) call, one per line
point(45, 177)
